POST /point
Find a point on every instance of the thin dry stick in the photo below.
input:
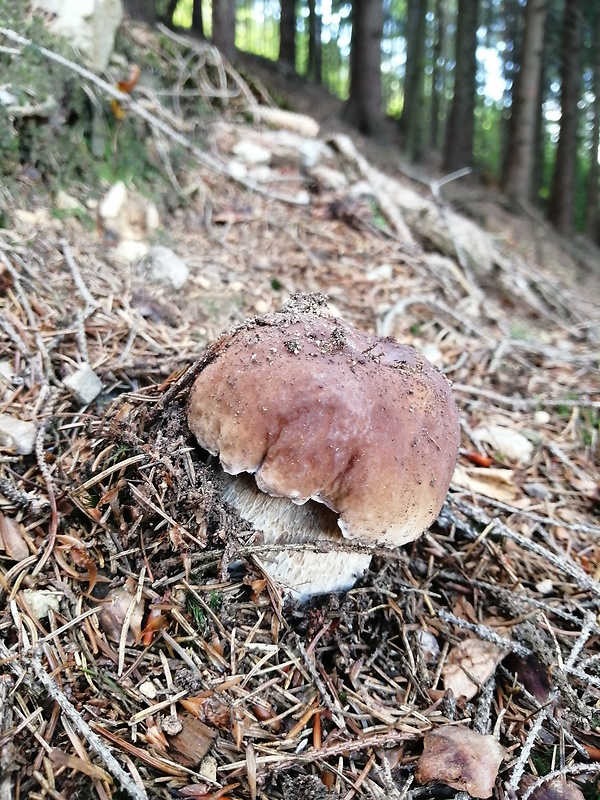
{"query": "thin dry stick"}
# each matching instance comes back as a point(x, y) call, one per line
point(562, 563)
point(94, 741)
point(89, 300)
point(43, 467)
point(485, 633)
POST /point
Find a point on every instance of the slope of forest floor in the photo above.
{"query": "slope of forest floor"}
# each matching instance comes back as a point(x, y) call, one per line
point(143, 652)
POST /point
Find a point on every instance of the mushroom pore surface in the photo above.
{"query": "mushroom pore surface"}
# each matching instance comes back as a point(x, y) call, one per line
point(317, 409)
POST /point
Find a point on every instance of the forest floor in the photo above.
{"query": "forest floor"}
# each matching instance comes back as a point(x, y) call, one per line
point(143, 651)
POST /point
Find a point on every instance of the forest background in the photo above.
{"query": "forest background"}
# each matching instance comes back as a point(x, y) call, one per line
point(507, 87)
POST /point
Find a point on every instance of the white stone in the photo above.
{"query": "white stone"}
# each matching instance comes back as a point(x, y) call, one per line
point(166, 267)
point(40, 601)
point(129, 251)
point(545, 586)
point(251, 153)
point(384, 272)
point(148, 689)
point(152, 217)
point(89, 25)
point(208, 768)
point(6, 98)
point(113, 201)
point(17, 434)
point(542, 417)
point(236, 170)
point(84, 384)
point(66, 202)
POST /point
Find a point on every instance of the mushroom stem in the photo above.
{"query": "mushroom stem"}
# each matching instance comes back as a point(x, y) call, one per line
point(332, 566)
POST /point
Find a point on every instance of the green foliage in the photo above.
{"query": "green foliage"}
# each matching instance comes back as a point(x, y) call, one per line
point(215, 601)
point(197, 614)
point(75, 137)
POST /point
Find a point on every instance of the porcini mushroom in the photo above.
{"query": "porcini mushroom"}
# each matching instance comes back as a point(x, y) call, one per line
point(359, 431)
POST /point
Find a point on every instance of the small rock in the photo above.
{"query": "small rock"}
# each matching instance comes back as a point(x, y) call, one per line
point(384, 272)
point(17, 434)
point(66, 202)
point(148, 689)
point(6, 98)
point(430, 647)
point(251, 153)
point(432, 353)
point(84, 384)
point(537, 490)
point(208, 768)
point(545, 587)
point(113, 201)
point(166, 267)
point(262, 306)
point(542, 417)
point(152, 217)
point(236, 170)
point(40, 601)
point(171, 726)
point(129, 251)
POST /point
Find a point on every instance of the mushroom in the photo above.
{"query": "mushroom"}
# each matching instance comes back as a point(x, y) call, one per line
point(346, 438)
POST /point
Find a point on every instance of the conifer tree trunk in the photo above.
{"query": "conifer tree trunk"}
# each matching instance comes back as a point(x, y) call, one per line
point(287, 32)
point(591, 217)
point(461, 123)
point(144, 10)
point(223, 27)
point(363, 108)
point(561, 209)
point(412, 120)
point(315, 59)
point(197, 20)
point(437, 76)
point(525, 104)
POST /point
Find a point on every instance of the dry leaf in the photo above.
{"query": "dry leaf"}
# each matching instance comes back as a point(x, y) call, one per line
point(13, 538)
point(498, 484)
point(472, 657)
point(120, 605)
point(461, 758)
point(557, 789)
point(506, 441)
point(532, 674)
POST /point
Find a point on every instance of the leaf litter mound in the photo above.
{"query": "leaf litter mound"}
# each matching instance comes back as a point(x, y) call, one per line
point(143, 650)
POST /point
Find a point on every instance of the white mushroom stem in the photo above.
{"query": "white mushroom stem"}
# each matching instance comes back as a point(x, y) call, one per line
point(279, 521)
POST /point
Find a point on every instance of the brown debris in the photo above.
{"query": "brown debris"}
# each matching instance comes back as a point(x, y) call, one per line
point(461, 758)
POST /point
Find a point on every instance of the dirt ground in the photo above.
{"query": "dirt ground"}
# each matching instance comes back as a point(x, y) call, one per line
point(144, 650)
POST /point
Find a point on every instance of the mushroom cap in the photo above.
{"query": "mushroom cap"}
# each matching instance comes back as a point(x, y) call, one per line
point(316, 409)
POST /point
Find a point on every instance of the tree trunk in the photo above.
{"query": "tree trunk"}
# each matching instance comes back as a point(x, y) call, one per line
point(412, 120)
point(525, 105)
point(437, 76)
point(315, 53)
point(363, 108)
point(561, 209)
point(223, 27)
point(287, 33)
point(591, 215)
point(197, 20)
point(461, 123)
point(143, 10)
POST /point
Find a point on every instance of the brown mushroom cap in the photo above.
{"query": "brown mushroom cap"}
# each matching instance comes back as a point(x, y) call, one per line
point(317, 409)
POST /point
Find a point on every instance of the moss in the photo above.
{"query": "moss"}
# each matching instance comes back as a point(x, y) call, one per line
point(62, 128)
